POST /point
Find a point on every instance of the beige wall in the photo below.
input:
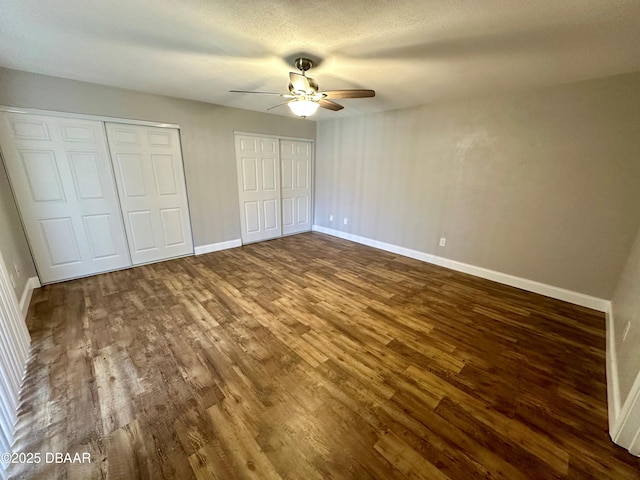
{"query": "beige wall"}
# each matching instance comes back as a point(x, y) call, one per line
point(541, 185)
point(626, 308)
point(13, 243)
point(206, 133)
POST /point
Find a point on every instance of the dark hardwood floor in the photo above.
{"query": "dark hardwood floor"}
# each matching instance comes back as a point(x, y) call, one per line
point(310, 357)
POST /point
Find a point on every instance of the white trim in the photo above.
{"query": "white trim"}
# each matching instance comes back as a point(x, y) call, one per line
point(82, 116)
point(634, 449)
point(29, 287)
point(627, 425)
point(613, 387)
point(518, 282)
point(14, 351)
point(215, 247)
point(276, 137)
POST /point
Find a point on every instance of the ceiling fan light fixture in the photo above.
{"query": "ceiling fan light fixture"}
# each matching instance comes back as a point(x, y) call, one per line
point(305, 94)
point(303, 107)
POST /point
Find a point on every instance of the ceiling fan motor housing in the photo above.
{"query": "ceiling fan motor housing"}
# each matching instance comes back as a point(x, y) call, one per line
point(303, 64)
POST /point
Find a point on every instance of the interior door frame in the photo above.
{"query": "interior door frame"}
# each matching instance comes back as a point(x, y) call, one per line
point(83, 116)
point(312, 173)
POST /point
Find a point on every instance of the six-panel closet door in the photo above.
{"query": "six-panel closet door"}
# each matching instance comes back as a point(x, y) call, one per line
point(149, 173)
point(61, 175)
point(295, 158)
point(258, 166)
point(274, 186)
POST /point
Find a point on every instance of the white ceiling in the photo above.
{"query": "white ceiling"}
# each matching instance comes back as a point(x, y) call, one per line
point(409, 51)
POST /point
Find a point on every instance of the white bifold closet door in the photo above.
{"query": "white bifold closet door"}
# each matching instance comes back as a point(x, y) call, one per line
point(149, 173)
point(274, 186)
point(61, 175)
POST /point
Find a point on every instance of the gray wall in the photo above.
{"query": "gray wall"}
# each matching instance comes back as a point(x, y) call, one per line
point(206, 133)
point(626, 308)
point(541, 185)
point(13, 243)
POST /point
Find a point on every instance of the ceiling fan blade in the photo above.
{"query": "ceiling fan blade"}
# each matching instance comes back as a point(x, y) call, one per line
point(301, 84)
point(329, 105)
point(285, 95)
point(276, 106)
point(348, 94)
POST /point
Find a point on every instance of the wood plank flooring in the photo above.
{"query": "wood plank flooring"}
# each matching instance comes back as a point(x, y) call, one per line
point(310, 357)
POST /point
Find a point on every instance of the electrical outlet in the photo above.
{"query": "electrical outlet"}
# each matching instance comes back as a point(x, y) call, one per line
point(627, 327)
point(17, 269)
point(345, 221)
point(443, 242)
point(331, 218)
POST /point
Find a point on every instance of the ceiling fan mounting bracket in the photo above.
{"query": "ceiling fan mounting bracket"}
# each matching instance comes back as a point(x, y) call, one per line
point(303, 64)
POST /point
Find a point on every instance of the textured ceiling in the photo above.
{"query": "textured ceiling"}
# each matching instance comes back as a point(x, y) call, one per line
point(409, 51)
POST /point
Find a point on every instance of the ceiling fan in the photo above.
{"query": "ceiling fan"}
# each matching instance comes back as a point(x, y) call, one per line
point(304, 95)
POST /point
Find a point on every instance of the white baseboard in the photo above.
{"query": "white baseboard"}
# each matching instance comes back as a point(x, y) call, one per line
point(504, 278)
point(25, 298)
point(215, 247)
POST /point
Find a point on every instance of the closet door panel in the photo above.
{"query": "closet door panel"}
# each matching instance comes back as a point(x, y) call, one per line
point(296, 160)
point(151, 185)
point(258, 167)
point(61, 175)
